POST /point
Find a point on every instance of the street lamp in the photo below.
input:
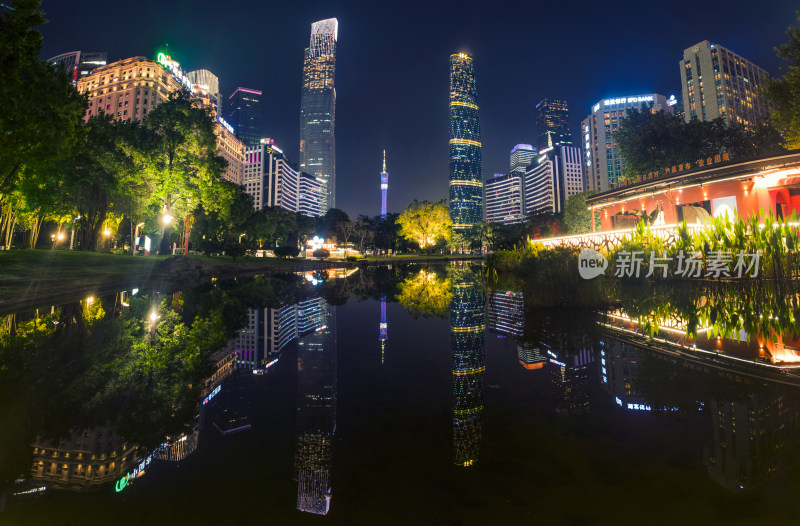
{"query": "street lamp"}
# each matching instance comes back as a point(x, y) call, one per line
point(166, 219)
point(136, 234)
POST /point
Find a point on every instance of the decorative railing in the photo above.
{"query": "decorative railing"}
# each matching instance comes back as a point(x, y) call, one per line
point(609, 239)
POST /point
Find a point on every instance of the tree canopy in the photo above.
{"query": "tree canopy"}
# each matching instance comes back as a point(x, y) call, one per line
point(784, 92)
point(425, 223)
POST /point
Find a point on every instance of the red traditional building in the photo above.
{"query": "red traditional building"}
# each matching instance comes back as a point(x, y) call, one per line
point(694, 192)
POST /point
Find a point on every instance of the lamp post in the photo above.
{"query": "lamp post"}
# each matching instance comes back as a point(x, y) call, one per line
point(133, 241)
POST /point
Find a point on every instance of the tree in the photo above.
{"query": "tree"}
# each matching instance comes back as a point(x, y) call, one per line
point(41, 110)
point(577, 216)
point(426, 294)
point(425, 223)
point(179, 155)
point(784, 92)
point(287, 251)
point(321, 253)
point(364, 231)
point(235, 250)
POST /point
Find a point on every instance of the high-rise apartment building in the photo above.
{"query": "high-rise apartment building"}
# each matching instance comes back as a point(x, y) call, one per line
point(552, 124)
point(270, 178)
point(716, 82)
point(556, 175)
point(604, 167)
point(384, 186)
point(318, 107)
point(503, 199)
point(522, 156)
point(313, 194)
point(466, 180)
point(80, 63)
point(244, 114)
point(127, 89)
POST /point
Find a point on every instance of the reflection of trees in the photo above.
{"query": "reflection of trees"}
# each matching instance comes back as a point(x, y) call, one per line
point(426, 294)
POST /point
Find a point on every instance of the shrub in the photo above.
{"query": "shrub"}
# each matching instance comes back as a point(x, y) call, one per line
point(287, 251)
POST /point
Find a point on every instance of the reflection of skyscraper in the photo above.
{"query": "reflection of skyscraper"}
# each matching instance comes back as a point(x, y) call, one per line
point(569, 374)
point(530, 356)
point(316, 414)
point(466, 178)
point(318, 107)
point(468, 343)
point(384, 327)
point(506, 312)
point(754, 440)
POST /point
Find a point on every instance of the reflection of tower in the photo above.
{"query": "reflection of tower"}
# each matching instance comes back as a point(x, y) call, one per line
point(384, 186)
point(384, 329)
point(467, 341)
point(753, 440)
point(569, 374)
point(316, 414)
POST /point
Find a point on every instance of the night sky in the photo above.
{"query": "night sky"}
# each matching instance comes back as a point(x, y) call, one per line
point(393, 58)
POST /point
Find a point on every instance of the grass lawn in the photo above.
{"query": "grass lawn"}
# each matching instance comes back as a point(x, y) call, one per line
point(41, 277)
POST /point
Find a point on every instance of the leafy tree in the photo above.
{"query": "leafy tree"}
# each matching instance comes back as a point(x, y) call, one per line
point(364, 231)
point(41, 111)
point(577, 217)
point(235, 250)
point(321, 253)
point(426, 294)
point(784, 92)
point(425, 223)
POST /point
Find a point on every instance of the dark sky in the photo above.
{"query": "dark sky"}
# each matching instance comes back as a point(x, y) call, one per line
point(392, 66)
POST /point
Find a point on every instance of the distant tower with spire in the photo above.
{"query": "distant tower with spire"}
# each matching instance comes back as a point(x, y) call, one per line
point(384, 186)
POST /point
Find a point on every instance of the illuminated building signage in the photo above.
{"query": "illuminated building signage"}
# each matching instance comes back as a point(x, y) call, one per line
point(225, 124)
point(627, 100)
point(31, 491)
point(175, 70)
point(270, 364)
point(128, 478)
point(212, 394)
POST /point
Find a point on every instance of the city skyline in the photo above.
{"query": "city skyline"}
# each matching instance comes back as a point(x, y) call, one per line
point(380, 106)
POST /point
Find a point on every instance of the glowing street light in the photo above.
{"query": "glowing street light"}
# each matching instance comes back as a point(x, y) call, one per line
point(166, 219)
point(154, 316)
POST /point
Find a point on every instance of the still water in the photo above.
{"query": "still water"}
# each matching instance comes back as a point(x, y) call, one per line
point(411, 394)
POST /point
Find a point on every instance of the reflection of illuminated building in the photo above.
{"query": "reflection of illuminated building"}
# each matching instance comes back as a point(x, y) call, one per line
point(467, 341)
point(384, 327)
point(506, 312)
point(224, 364)
point(82, 460)
point(180, 447)
point(619, 365)
point(316, 414)
point(753, 440)
point(531, 356)
point(569, 374)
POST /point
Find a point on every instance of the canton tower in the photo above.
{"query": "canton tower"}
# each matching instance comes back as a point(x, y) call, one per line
point(466, 179)
point(384, 186)
point(318, 107)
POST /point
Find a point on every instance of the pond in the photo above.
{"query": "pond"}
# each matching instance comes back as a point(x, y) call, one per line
point(395, 394)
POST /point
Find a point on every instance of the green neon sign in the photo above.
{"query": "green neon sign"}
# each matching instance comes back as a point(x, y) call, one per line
point(161, 58)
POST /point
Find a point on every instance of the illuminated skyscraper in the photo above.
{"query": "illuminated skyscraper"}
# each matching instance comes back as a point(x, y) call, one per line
point(80, 63)
point(552, 124)
point(244, 114)
point(316, 414)
point(384, 186)
point(384, 327)
point(318, 107)
point(522, 156)
point(466, 180)
point(468, 343)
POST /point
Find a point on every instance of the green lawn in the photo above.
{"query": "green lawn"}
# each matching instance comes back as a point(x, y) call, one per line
point(32, 278)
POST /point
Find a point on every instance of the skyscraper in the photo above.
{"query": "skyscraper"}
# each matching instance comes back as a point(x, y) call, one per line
point(318, 107)
point(270, 178)
point(552, 124)
point(732, 87)
point(80, 63)
point(466, 181)
point(603, 164)
point(503, 199)
point(244, 114)
point(522, 156)
point(206, 81)
point(384, 186)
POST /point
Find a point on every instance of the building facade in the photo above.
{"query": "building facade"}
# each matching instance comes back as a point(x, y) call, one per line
point(604, 167)
point(318, 107)
point(503, 199)
point(731, 88)
point(552, 124)
point(571, 173)
point(522, 156)
point(206, 81)
point(270, 178)
point(244, 114)
point(540, 187)
point(466, 180)
point(313, 196)
point(80, 63)
point(127, 89)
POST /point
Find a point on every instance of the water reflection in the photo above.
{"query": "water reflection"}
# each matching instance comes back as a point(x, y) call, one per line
point(467, 341)
point(316, 410)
